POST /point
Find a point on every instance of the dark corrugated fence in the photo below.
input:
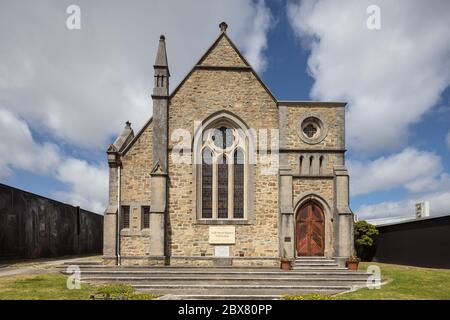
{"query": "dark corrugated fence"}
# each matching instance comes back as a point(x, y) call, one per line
point(423, 242)
point(32, 226)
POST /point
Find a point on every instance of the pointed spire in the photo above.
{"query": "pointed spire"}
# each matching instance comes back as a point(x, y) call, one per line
point(161, 56)
point(161, 68)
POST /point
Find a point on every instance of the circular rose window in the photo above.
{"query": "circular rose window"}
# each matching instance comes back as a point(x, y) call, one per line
point(312, 128)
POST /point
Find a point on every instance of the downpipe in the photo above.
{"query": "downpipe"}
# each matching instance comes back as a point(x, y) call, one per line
point(119, 262)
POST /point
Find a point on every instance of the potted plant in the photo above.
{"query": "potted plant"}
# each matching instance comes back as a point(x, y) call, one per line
point(352, 262)
point(286, 263)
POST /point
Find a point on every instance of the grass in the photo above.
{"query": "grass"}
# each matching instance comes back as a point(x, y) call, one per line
point(52, 286)
point(402, 283)
point(405, 283)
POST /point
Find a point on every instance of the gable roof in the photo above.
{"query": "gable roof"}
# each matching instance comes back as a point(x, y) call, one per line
point(123, 139)
point(201, 65)
point(220, 48)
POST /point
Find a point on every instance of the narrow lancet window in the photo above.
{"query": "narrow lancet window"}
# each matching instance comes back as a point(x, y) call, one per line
point(207, 174)
point(222, 187)
point(238, 192)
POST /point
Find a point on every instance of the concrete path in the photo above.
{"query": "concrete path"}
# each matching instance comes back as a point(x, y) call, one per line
point(27, 267)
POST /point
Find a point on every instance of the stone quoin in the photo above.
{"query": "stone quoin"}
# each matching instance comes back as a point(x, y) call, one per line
point(265, 179)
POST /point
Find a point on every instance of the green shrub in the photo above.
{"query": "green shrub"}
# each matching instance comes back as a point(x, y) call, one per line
point(310, 296)
point(364, 235)
point(120, 292)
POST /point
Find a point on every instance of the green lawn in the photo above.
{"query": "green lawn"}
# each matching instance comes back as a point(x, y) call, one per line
point(52, 286)
point(405, 283)
point(49, 286)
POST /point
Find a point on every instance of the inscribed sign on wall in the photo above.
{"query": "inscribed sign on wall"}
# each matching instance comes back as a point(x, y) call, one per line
point(222, 251)
point(222, 235)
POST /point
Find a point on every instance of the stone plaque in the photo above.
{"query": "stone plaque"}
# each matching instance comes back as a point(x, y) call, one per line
point(222, 235)
point(222, 251)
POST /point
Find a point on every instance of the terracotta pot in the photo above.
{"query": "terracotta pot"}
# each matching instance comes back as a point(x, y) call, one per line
point(285, 265)
point(352, 265)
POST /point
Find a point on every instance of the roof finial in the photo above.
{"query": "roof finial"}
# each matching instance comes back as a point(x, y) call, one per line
point(223, 26)
point(128, 124)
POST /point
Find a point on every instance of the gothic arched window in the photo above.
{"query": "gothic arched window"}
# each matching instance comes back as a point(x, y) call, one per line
point(223, 173)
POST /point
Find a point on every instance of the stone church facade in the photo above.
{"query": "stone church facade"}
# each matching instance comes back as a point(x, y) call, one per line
point(225, 174)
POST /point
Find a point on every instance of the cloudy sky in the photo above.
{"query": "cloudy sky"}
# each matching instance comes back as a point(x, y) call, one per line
point(65, 94)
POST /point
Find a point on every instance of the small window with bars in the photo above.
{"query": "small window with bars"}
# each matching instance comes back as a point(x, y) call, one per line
point(145, 211)
point(125, 217)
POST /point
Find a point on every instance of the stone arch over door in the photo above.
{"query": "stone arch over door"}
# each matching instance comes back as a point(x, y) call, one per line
point(328, 235)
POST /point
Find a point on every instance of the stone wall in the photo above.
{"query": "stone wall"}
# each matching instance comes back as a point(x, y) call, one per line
point(206, 92)
point(223, 55)
point(331, 159)
point(136, 168)
point(317, 184)
point(333, 114)
point(135, 245)
point(136, 192)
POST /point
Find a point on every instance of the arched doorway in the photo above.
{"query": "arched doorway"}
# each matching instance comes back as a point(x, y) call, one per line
point(310, 230)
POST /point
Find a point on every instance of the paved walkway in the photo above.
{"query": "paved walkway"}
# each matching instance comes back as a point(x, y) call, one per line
point(26, 267)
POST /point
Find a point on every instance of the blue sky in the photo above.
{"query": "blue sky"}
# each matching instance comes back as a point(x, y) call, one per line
point(65, 94)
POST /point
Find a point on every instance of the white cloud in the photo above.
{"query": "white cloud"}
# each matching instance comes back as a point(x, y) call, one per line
point(18, 149)
point(415, 170)
point(447, 140)
point(419, 172)
point(439, 205)
point(256, 41)
point(81, 86)
point(87, 183)
point(390, 77)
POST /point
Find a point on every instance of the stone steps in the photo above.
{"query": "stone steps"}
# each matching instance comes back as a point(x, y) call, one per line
point(317, 263)
point(229, 281)
point(225, 283)
point(318, 266)
point(220, 297)
point(83, 263)
point(221, 273)
point(239, 291)
point(325, 261)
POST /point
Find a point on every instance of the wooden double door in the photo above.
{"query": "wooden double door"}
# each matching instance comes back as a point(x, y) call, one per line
point(310, 230)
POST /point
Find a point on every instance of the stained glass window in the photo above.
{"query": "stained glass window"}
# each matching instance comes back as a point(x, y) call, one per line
point(222, 185)
point(238, 191)
point(310, 130)
point(207, 174)
point(222, 174)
